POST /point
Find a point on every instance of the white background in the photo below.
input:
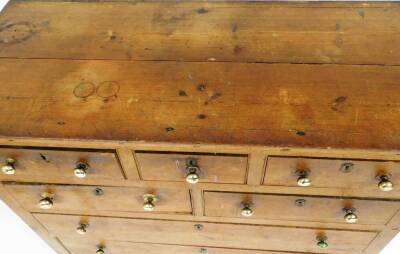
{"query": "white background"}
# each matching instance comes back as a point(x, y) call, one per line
point(16, 237)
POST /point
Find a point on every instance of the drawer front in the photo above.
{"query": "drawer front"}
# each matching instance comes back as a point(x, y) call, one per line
point(173, 167)
point(336, 173)
point(299, 208)
point(100, 200)
point(54, 163)
point(208, 234)
point(79, 246)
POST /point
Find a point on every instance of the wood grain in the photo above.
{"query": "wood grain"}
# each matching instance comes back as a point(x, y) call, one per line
point(224, 103)
point(214, 168)
point(61, 163)
point(284, 207)
point(239, 32)
point(84, 200)
point(211, 234)
point(327, 172)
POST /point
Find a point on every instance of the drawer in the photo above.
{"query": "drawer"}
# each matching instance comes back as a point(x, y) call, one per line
point(80, 246)
point(252, 237)
point(336, 173)
point(299, 208)
point(61, 163)
point(176, 167)
point(99, 199)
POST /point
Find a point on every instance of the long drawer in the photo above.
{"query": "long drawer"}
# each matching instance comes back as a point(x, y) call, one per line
point(85, 246)
point(252, 237)
point(100, 199)
point(215, 168)
point(299, 208)
point(337, 173)
point(43, 163)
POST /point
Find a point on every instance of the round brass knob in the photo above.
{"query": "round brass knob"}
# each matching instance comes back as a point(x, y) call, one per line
point(384, 183)
point(149, 200)
point(46, 203)
point(81, 169)
point(350, 215)
point(322, 242)
point(82, 228)
point(9, 167)
point(192, 177)
point(246, 210)
point(303, 179)
point(100, 250)
point(193, 171)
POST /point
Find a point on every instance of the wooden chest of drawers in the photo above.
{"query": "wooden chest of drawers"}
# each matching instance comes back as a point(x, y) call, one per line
point(202, 127)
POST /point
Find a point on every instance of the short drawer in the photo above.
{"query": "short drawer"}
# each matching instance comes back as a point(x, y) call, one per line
point(335, 173)
point(100, 200)
point(81, 246)
point(299, 208)
point(176, 167)
point(234, 236)
point(41, 163)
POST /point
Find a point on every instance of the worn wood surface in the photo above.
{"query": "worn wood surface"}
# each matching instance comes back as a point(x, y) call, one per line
point(172, 167)
point(284, 207)
point(84, 200)
point(239, 32)
point(267, 104)
point(210, 234)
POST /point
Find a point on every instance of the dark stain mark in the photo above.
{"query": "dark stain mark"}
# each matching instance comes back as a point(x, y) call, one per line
point(202, 10)
point(15, 33)
point(44, 158)
point(84, 90)
point(182, 93)
point(361, 13)
point(108, 90)
point(201, 87)
point(300, 133)
point(201, 116)
point(169, 129)
point(61, 123)
point(337, 28)
point(234, 28)
point(212, 98)
point(163, 18)
point(237, 50)
point(338, 103)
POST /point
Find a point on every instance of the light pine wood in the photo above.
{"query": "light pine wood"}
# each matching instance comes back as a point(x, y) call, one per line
point(129, 165)
point(217, 235)
point(327, 172)
point(214, 168)
point(84, 246)
point(84, 200)
point(61, 163)
point(284, 207)
point(239, 32)
point(226, 103)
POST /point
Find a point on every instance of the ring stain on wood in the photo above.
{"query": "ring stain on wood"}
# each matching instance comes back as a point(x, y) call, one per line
point(14, 33)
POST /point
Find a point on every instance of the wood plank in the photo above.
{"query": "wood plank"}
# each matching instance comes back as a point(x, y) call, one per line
point(199, 31)
point(231, 103)
point(210, 234)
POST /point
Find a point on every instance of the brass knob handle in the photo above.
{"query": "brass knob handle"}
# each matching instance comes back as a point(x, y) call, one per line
point(193, 171)
point(46, 203)
point(9, 167)
point(246, 209)
point(385, 184)
point(303, 179)
point(82, 228)
point(350, 215)
point(149, 200)
point(81, 169)
point(100, 250)
point(322, 242)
